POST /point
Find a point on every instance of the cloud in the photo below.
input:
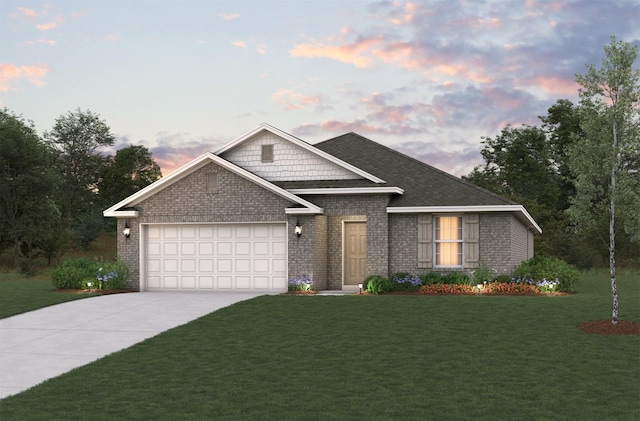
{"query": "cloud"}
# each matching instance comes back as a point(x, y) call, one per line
point(239, 43)
point(26, 12)
point(33, 74)
point(174, 150)
point(348, 53)
point(456, 162)
point(292, 100)
point(47, 26)
point(230, 16)
point(111, 38)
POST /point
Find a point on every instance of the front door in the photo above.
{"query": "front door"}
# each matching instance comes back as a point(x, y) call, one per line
point(355, 252)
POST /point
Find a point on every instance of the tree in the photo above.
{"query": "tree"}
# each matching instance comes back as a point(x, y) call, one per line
point(75, 137)
point(131, 170)
point(28, 183)
point(605, 162)
point(519, 165)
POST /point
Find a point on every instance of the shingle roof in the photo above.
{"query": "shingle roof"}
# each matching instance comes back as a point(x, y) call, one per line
point(423, 184)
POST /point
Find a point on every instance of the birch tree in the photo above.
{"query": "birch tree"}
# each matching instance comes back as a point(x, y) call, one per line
point(605, 161)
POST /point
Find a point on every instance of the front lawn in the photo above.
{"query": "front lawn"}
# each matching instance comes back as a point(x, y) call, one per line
point(20, 295)
point(367, 357)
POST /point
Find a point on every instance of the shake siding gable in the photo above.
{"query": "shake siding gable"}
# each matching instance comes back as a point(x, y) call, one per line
point(290, 162)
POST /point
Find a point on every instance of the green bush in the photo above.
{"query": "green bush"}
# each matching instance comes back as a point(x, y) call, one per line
point(505, 279)
point(112, 275)
point(378, 285)
point(540, 268)
point(456, 278)
point(83, 273)
point(431, 278)
point(482, 274)
point(74, 273)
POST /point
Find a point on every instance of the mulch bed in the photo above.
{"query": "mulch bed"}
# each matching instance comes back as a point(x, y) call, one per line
point(605, 327)
point(95, 291)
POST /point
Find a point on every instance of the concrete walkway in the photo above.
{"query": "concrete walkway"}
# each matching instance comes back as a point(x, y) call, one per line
point(45, 343)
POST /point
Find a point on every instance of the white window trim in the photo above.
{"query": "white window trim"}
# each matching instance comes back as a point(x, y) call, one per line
point(436, 241)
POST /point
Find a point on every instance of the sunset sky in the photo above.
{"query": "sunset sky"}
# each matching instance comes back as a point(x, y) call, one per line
point(427, 78)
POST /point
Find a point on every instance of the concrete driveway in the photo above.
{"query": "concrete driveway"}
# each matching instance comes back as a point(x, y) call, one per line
point(45, 343)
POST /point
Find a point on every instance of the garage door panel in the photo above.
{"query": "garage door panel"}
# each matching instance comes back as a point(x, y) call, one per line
point(225, 248)
point(243, 282)
point(188, 265)
point(213, 257)
point(188, 249)
point(170, 249)
point(225, 282)
point(225, 265)
point(243, 249)
point(205, 282)
point(170, 265)
point(170, 282)
point(188, 282)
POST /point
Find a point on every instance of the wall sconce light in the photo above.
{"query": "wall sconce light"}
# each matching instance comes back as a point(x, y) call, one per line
point(298, 229)
point(360, 288)
point(127, 230)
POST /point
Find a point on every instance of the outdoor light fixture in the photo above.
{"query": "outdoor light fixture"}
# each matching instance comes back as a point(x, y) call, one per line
point(127, 230)
point(360, 288)
point(298, 229)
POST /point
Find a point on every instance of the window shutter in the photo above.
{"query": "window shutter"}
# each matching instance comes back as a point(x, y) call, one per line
point(471, 240)
point(425, 241)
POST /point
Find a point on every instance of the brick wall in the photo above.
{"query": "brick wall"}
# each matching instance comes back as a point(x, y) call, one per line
point(290, 162)
point(403, 244)
point(189, 200)
point(369, 208)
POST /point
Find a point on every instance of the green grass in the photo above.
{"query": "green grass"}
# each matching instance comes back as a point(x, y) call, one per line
point(367, 357)
point(20, 295)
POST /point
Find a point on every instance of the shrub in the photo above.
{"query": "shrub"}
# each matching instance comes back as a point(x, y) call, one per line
point(74, 273)
point(112, 275)
point(378, 285)
point(503, 278)
point(543, 268)
point(430, 278)
point(83, 273)
point(456, 278)
point(482, 274)
point(404, 281)
point(300, 283)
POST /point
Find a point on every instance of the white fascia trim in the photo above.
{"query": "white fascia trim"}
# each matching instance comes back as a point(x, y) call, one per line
point(197, 163)
point(349, 190)
point(303, 145)
point(125, 214)
point(480, 208)
point(303, 211)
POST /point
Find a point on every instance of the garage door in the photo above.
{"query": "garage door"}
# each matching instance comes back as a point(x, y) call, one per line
point(220, 257)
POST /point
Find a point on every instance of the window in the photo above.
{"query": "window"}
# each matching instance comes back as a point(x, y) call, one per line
point(267, 153)
point(448, 240)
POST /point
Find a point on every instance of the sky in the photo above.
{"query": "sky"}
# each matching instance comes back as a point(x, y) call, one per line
point(427, 78)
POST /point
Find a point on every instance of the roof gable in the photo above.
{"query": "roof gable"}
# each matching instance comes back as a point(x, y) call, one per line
point(293, 159)
point(123, 208)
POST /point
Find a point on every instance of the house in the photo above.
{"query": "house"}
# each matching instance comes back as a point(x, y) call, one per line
point(268, 207)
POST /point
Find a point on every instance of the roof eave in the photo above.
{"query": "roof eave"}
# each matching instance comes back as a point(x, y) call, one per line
point(518, 209)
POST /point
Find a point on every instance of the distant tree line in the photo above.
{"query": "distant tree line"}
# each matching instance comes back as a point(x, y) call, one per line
point(54, 188)
point(578, 172)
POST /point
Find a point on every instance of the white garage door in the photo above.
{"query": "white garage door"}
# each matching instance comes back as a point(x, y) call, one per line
point(220, 257)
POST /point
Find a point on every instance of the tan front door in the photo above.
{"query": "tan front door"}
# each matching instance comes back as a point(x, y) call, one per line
point(355, 252)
